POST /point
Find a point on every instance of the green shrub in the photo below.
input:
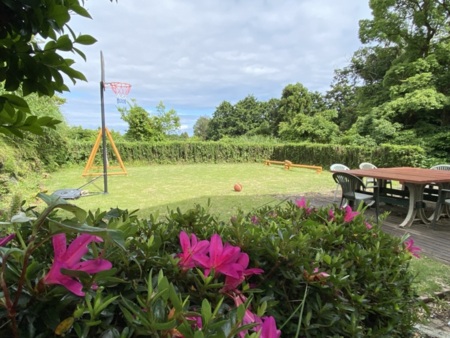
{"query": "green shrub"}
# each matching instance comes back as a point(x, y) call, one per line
point(325, 274)
point(368, 292)
point(237, 152)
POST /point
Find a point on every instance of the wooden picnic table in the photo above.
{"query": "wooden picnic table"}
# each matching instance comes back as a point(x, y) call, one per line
point(415, 179)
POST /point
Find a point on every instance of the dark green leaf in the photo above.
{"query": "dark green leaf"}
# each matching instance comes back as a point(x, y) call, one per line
point(86, 40)
point(64, 43)
point(80, 11)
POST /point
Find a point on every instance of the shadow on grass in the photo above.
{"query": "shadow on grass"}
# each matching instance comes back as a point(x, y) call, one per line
point(222, 207)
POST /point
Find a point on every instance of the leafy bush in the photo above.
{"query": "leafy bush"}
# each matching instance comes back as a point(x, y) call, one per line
point(244, 151)
point(311, 273)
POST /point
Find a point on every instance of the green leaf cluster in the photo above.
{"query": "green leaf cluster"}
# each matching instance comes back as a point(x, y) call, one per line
point(367, 290)
point(30, 65)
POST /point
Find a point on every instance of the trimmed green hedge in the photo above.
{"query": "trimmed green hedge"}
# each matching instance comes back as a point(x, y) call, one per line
point(218, 152)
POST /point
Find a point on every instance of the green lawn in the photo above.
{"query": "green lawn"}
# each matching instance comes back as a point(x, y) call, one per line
point(157, 188)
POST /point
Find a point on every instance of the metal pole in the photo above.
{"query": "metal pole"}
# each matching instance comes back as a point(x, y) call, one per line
point(102, 102)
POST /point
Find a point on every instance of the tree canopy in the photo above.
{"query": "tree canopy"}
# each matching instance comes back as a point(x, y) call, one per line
point(33, 36)
point(395, 88)
point(146, 127)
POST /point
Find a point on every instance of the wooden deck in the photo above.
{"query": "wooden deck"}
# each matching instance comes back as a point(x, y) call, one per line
point(435, 243)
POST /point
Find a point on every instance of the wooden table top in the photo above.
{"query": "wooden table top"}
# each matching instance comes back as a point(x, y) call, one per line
point(403, 174)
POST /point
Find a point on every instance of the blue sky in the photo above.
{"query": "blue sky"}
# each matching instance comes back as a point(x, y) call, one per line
point(194, 54)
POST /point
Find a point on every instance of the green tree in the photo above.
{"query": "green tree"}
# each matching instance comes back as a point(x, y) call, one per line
point(201, 127)
point(51, 147)
point(32, 37)
point(418, 78)
point(168, 122)
point(295, 99)
point(248, 116)
point(221, 121)
point(140, 124)
point(78, 133)
point(244, 118)
point(145, 127)
point(402, 75)
point(318, 128)
point(342, 98)
point(271, 114)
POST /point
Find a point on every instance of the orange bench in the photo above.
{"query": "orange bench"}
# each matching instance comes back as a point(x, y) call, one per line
point(289, 165)
point(269, 162)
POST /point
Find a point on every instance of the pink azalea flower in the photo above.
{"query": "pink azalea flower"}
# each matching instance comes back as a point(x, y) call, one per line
point(191, 250)
point(320, 275)
point(5, 240)
point(409, 246)
point(196, 322)
point(331, 215)
point(249, 316)
point(232, 283)
point(222, 258)
point(301, 203)
point(315, 276)
point(69, 258)
point(368, 225)
point(269, 328)
point(349, 214)
point(266, 325)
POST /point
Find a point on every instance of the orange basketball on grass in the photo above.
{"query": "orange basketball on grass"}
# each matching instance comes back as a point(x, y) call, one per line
point(237, 187)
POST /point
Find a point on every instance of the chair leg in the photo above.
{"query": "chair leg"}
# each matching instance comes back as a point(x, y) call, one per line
point(376, 193)
point(377, 211)
point(335, 192)
point(342, 202)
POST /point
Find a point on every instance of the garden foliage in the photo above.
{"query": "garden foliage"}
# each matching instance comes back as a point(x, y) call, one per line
point(303, 271)
point(233, 152)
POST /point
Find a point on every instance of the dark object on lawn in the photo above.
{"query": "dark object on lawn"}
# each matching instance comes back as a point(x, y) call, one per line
point(73, 194)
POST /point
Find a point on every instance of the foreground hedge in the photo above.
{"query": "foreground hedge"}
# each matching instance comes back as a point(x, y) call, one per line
point(309, 272)
point(214, 152)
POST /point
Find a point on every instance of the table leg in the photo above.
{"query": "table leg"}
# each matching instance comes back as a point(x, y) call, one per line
point(428, 219)
point(415, 195)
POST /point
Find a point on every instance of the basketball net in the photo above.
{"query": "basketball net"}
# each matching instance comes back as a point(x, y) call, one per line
point(121, 89)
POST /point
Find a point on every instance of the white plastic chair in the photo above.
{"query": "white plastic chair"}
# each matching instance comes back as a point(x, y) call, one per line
point(442, 201)
point(441, 167)
point(334, 167)
point(370, 182)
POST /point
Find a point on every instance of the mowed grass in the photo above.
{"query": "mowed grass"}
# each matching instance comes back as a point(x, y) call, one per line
point(157, 188)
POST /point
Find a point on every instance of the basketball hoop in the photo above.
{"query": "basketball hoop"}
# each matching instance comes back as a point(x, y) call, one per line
point(121, 89)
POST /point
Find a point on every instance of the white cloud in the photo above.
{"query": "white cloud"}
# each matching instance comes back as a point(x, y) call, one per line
point(192, 55)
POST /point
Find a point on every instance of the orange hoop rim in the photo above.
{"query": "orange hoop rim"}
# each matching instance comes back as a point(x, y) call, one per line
point(121, 89)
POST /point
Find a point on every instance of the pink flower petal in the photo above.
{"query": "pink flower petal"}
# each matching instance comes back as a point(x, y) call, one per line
point(78, 248)
point(93, 266)
point(414, 250)
point(70, 259)
point(5, 240)
point(349, 214)
point(269, 328)
point(59, 245)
